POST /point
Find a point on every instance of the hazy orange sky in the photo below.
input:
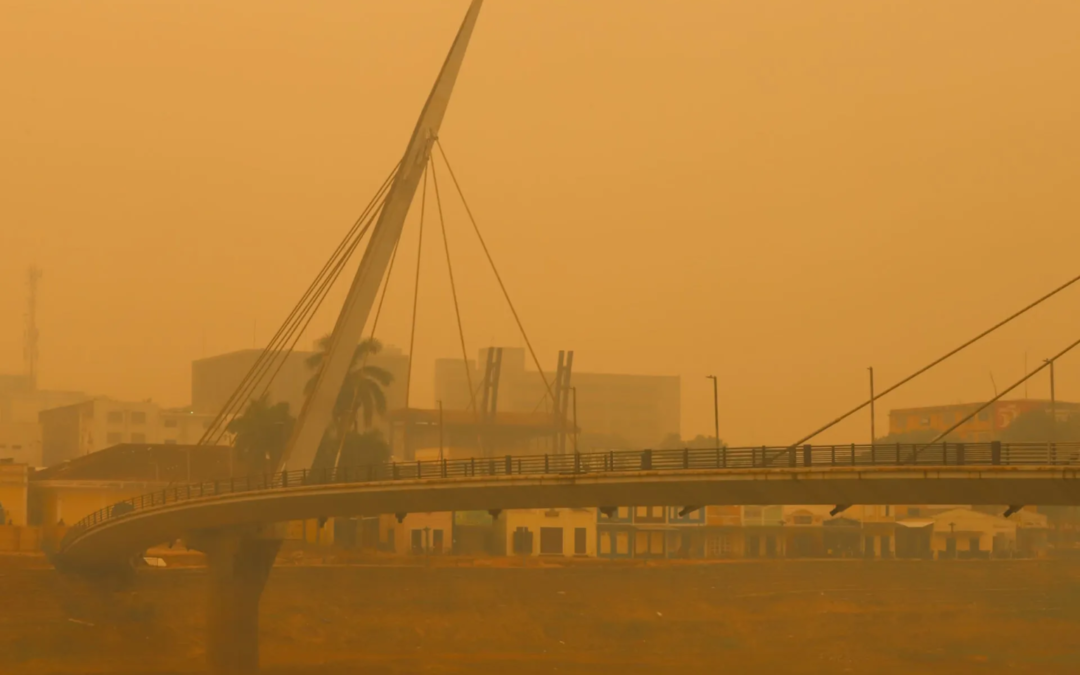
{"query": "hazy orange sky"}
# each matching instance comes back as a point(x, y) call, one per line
point(780, 193)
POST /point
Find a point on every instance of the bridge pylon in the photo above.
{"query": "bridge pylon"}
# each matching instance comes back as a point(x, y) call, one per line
point(238, 566)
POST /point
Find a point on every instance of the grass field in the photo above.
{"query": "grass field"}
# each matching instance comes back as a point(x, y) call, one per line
point(769, 617)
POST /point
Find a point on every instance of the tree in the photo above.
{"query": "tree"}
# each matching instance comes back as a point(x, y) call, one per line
point(699, 442)
point(362, 449)
point(913, 437)
point(361, 397)
point(595, 442)
point(261, 433)
point(1036, 426)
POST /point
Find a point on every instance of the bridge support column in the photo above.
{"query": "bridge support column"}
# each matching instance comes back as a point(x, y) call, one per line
point(238, 566)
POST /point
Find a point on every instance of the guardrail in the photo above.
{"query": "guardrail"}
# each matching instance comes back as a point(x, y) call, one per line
point(687, 459)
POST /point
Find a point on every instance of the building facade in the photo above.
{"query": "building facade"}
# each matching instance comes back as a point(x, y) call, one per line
point(984, 427)
point(642, 409)
point(546, 532)
point(82, 428)
point(20, 428)
point(215, 378)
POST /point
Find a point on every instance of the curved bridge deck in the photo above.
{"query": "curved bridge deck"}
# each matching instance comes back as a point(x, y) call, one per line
point(945, 474)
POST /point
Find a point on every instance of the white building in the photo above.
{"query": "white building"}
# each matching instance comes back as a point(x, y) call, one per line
point(75, 430)
point(20, 430)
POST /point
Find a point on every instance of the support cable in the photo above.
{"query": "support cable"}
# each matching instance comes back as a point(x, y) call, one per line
point(302, 313)
point(936, 362)
point(272, 351)
point(498, 277)
point(986, 405)
point(304, 319)
point(453, 289)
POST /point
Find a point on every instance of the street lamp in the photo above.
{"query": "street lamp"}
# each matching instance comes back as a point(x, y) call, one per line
point(873, 433)
point(1053, 405)
point(716, 408)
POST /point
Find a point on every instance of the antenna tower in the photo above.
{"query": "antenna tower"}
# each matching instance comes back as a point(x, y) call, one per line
point(30, 348)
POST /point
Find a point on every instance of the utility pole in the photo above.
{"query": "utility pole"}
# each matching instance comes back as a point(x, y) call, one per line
point(873, 431)
point(440, 431)
point(716, 408)
point(30, 353)
point(1053, 405)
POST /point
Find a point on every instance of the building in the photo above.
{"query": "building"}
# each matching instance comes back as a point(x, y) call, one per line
point(71, 490)
point(418, 434)
point(986, 426)
point(546, 532)
point(83, 428)
point(641, 409)
point(969, 534)
point(14, 487)
point(20, 405)
point(215, 378)
point(416, 533)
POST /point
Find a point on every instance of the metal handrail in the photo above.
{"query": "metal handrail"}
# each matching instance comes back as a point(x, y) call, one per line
point(612, 461)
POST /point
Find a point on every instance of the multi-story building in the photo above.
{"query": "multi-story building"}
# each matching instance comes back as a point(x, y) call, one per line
point(82, 428)
point(13, 493)
point(215, 378)
point(20, 429)
point(986, 426)
point(642, 409)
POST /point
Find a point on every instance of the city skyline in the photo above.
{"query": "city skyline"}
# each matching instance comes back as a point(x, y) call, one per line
point(730, 255)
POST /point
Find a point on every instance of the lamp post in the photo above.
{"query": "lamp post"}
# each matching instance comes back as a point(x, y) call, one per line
point(873, 432)
point(716, 408)
point(573, 390)
point(440, 432)
point(1053, 405)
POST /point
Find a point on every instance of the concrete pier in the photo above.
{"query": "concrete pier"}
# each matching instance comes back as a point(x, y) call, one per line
point(238, 565)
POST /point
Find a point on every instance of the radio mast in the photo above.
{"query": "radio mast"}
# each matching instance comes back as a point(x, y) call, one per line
point(30, 347)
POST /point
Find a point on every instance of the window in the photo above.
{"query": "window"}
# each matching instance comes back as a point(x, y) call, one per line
point(551, 541)
point(436, 541)
point(170, 422)
point(624, 513)
point(802, 519)
point(605, 543)
point(579, 541)
point(138, 438)
point(114, 437)
point(115, 417)
point(138, 417)
point(641, 512)
point(622, 543)
point(984, 416)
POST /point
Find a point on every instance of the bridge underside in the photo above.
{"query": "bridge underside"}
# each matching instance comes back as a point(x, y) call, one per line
point(831, 486)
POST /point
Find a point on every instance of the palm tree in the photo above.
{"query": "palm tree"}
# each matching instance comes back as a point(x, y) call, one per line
point(362, 394)
point(261, 434)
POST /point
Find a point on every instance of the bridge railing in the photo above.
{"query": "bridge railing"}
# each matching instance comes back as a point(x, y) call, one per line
point(614, 461)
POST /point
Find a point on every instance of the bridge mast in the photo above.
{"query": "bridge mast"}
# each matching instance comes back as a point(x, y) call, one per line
point(316, 412)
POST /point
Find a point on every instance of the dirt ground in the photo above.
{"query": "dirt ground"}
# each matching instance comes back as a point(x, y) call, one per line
point(770, 617)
